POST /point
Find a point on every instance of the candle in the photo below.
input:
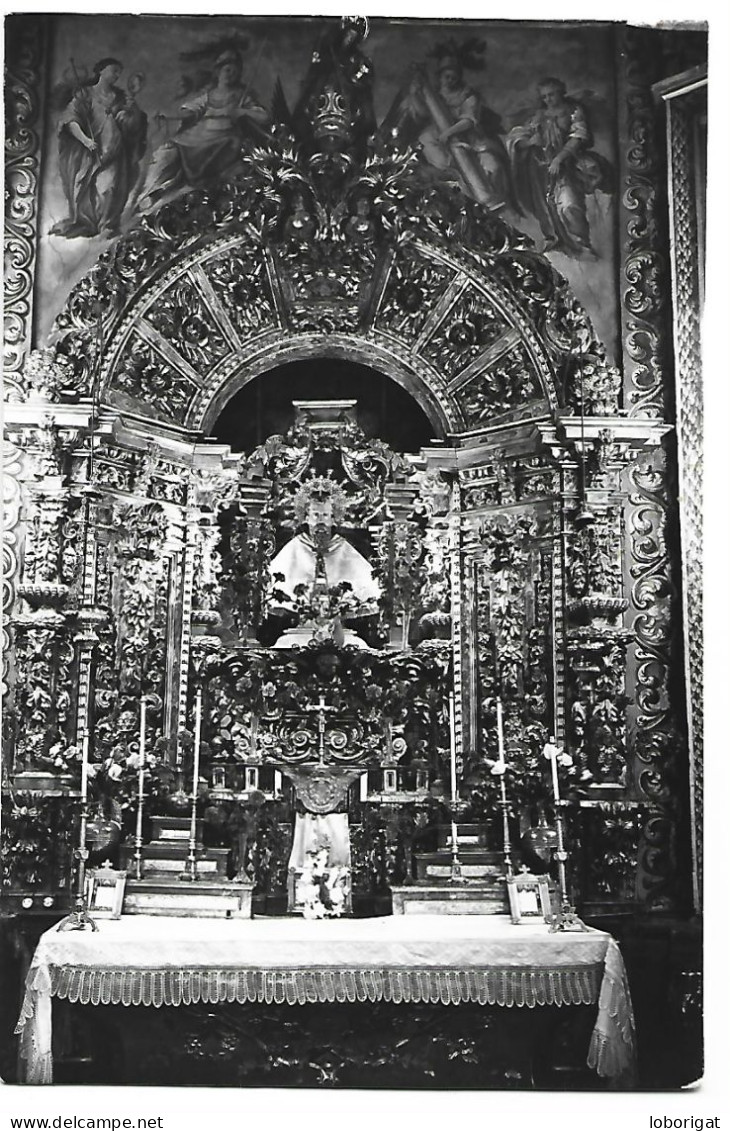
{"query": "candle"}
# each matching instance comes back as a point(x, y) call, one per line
point(142, 740)
point(196, 746)
point(85, 766)
point(550, 751)
point(364, 786)
point(501, 765)
point(452, 732)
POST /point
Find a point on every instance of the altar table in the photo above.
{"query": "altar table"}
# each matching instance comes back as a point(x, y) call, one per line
point(144, 960)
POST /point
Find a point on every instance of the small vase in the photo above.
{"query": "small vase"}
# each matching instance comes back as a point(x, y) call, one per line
point(540, 841)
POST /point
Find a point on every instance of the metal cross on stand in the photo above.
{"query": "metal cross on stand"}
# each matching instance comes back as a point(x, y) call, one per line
point(321, 710)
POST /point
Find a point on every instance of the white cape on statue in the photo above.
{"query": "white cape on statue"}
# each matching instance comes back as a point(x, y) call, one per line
point(297, 562)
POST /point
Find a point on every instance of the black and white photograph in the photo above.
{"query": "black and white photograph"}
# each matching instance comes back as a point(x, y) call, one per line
point(352, 731)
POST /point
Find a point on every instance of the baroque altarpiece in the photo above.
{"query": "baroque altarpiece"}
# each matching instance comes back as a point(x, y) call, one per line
point(329, 439)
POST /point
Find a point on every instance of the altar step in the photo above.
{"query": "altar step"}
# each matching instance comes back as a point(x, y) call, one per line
point(204, 899)
point(165, 887)
point(451, 898)
point(477, 861)
point(479, 889)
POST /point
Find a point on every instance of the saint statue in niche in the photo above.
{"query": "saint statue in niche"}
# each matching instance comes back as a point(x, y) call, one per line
point(102, 137)
point(318, 574)
point(215, 121)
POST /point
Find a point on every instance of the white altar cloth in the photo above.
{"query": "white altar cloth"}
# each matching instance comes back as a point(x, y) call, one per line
point(145, 960)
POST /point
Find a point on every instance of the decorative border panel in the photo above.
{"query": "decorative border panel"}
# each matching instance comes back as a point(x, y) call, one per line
point(25, 49)
point(681, 143)
point(644, 282)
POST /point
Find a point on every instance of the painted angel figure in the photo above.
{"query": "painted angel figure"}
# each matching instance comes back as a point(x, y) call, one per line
point(555, 168)
point(458, 133)
point(102, 137)
point(216, 121)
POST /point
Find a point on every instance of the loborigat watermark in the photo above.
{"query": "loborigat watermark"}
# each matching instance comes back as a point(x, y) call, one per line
point(684, 1123)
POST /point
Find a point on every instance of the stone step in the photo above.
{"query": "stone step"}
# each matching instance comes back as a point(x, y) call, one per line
point(442, 870)
point(170, 856)
point(467, 834)
point(157, 849)
point(176, 867)
point(208, 899)
point(164, 826)
point(474, 862)
point(451, 899)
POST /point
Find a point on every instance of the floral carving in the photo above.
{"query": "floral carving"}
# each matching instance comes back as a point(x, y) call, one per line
point(597, 702)
point(414, 285)
point(145, 375)
point(239, 281)
point(508, 383)
point(594, 558)
point(182, 317)
point(401, 572)
point(472, 325)
point(47, 374)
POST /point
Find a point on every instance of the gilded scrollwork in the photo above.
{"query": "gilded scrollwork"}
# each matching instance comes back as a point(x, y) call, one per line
point(25, 58)
point(644, 286)
point(657, 742)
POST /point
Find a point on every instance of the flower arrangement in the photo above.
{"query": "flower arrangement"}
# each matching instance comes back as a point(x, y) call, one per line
point(313, 603)
point(322, 890)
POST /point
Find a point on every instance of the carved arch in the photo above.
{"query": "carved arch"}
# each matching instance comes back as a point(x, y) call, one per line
point(210, 291)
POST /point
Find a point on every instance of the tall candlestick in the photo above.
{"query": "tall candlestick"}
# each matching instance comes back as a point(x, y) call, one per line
point(85, 767)
point(455, 862)
point(192, 864)
point(140, 788)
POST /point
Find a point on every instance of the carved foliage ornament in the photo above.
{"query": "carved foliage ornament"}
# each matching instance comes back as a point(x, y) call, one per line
point(645, 274)
point(24, 62)
point(253, 214)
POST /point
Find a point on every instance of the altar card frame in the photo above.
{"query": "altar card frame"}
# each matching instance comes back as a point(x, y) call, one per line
point(105, 892)
point(529, 898)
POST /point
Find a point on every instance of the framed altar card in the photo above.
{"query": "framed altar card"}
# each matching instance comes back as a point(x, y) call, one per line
point(105, 892)
point(529, 898)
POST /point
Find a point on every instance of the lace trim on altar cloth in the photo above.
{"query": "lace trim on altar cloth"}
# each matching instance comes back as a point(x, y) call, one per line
point(612, 1044)
point(612, 1051)
point(300, 987)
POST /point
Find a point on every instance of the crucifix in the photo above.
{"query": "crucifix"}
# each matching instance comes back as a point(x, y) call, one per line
point(321, 710)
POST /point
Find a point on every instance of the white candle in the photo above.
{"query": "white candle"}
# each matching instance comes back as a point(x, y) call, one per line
point(452, 732)
point(142, 740)
point(85, 765)
point(196, 746)
point(551, 751)
point(364, 786)
point(501, 764)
